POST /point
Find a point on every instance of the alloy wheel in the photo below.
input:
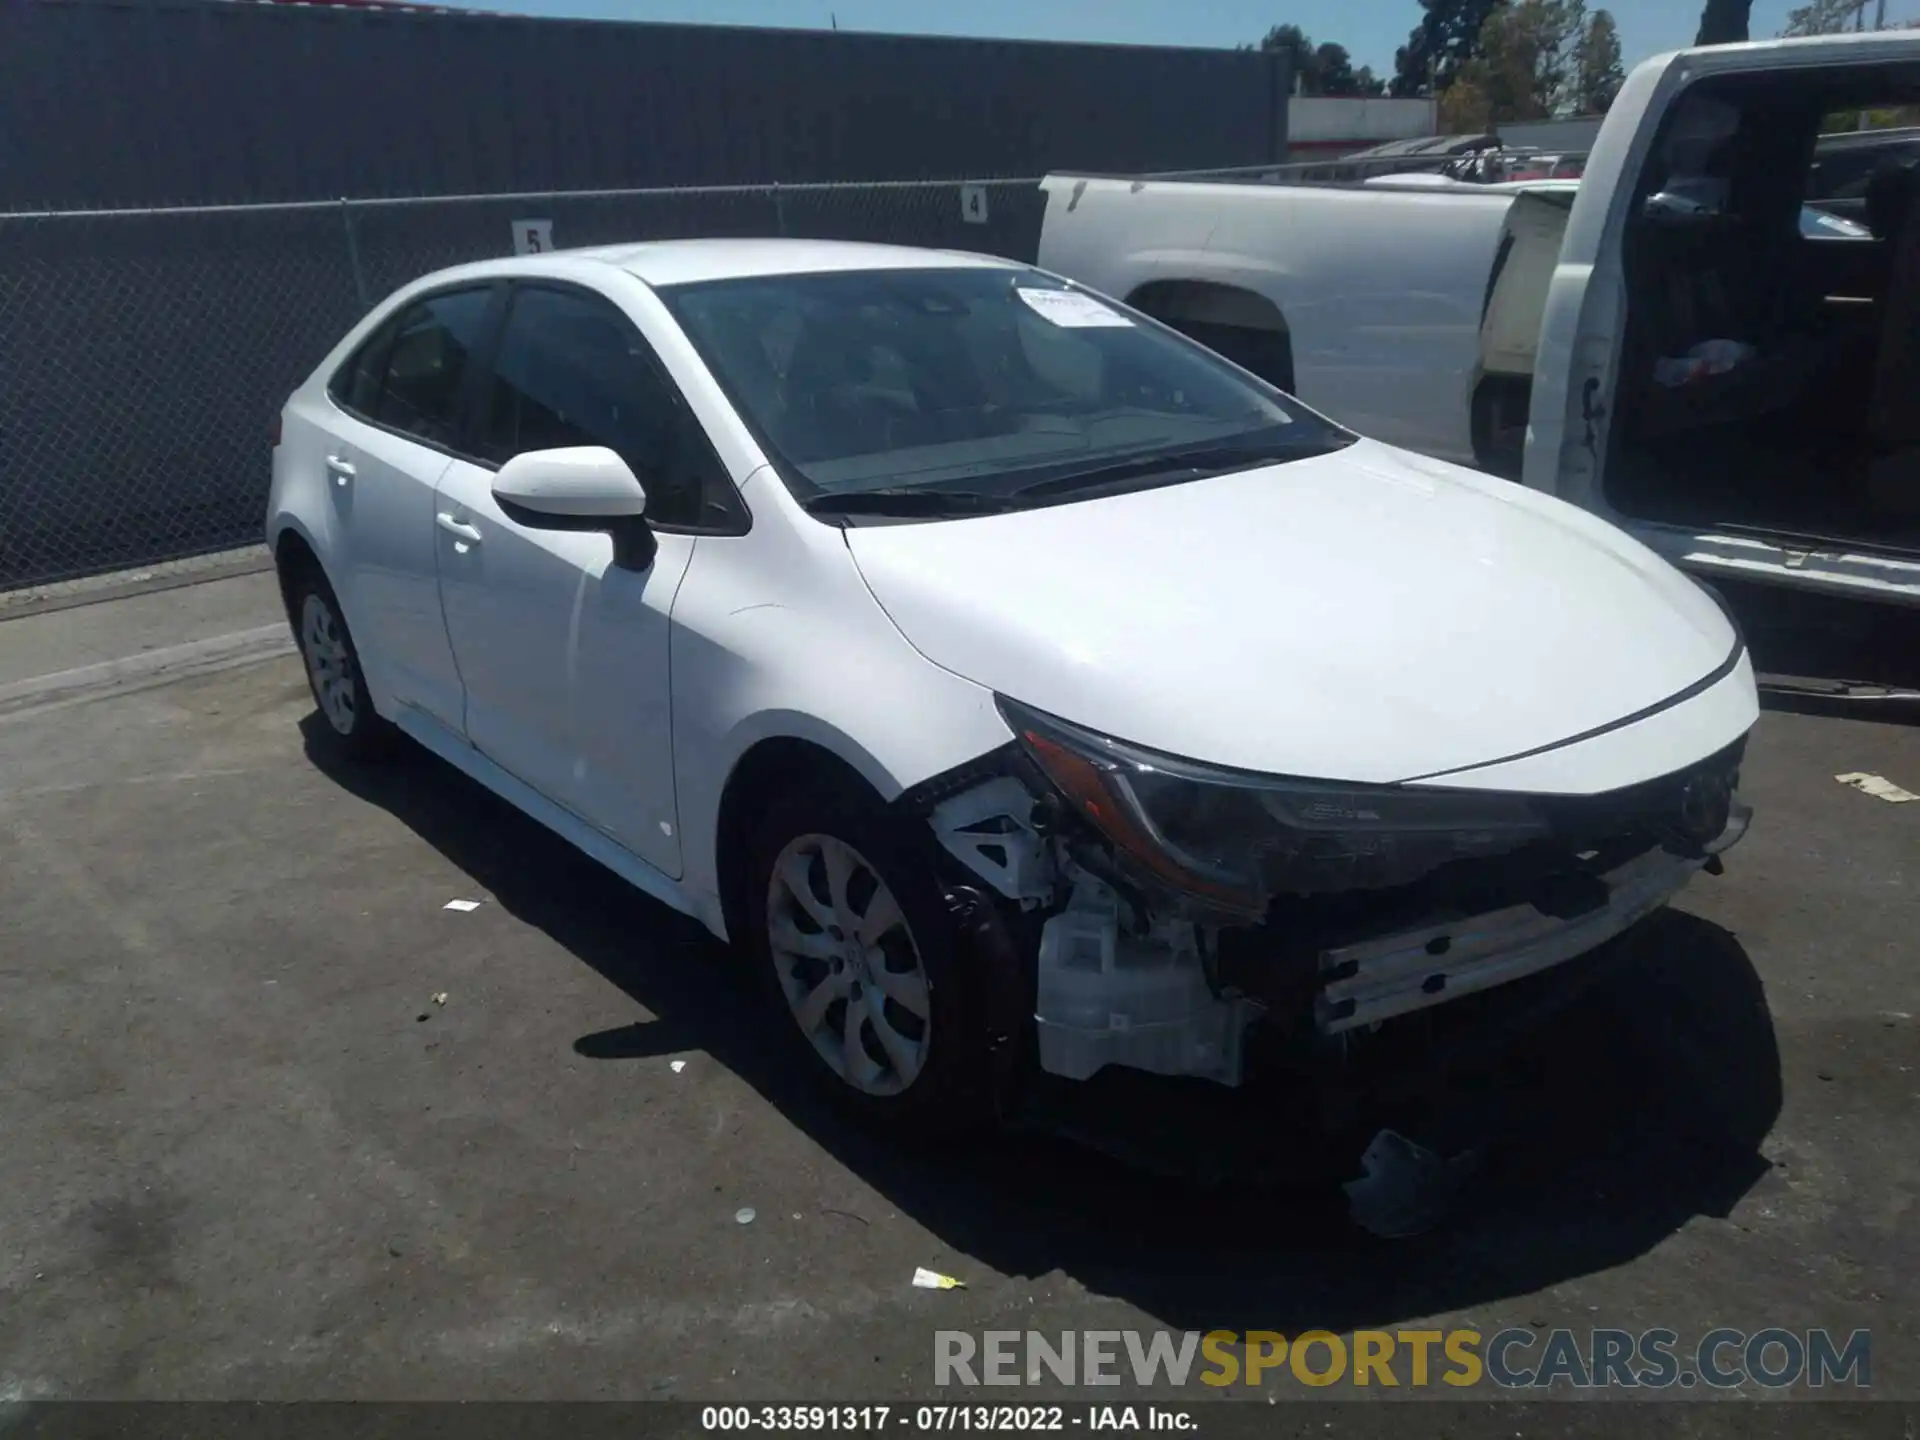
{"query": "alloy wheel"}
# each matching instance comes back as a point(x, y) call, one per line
point(329, 666)
point(848, 964)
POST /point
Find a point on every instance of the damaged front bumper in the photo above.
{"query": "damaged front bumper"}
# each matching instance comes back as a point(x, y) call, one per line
point(1109, 967)
point(1431, 964)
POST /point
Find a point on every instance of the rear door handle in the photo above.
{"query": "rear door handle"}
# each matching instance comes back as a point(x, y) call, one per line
point(459, 529)
point(340, 468)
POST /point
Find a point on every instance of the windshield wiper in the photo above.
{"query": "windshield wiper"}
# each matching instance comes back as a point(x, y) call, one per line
point(905, 500)
point(1189, 464)
point(1180, 465)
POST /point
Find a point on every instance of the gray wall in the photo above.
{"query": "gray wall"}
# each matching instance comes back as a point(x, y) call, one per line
point(143, 356)
point(109, 104)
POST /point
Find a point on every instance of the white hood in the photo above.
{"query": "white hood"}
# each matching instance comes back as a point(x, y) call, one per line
point(1368, 615)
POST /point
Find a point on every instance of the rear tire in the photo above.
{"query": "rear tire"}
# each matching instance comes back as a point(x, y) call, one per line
point(857, 953)
point(333, 668)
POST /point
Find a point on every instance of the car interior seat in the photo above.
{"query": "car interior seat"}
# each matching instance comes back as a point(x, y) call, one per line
point(1702, 274)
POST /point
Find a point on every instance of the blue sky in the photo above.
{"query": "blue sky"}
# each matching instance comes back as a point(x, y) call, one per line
point(1369, 28)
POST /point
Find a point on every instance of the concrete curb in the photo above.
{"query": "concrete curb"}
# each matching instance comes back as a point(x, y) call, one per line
point(147, 669)
point(144, 580)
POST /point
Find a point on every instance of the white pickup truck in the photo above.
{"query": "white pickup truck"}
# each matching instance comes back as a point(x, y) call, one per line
point(1664, 342)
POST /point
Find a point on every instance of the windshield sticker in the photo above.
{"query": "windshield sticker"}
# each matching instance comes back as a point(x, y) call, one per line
point(1070, 309)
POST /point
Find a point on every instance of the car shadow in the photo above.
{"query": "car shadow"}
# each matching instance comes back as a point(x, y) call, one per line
point(1631, 1112)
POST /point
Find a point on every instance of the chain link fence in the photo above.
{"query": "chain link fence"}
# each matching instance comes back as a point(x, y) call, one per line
point(144, 353)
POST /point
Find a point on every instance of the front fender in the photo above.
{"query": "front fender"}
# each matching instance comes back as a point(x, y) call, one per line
point(748, 669)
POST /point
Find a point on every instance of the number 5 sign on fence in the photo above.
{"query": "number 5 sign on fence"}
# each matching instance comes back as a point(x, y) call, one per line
point(532, 237)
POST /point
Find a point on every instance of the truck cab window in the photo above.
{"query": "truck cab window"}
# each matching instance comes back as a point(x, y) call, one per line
point(1692, 170)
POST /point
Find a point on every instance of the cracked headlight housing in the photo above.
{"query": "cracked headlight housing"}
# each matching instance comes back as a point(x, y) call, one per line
point(1236, 839)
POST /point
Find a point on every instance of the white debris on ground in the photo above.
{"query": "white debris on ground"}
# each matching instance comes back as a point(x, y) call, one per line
point(463, 906)
point(1878, 786)
point(925, 1279)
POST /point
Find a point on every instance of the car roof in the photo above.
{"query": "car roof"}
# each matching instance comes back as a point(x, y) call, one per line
point(679, 262)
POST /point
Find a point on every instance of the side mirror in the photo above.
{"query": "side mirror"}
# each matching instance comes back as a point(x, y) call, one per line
point(581, 487)
point(582, 482)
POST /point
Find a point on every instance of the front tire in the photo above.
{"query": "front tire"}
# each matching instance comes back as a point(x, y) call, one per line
point(333, 668)
point(857, 951)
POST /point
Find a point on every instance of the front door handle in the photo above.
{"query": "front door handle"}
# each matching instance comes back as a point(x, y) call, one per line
point(459, 529)
point(340, 468)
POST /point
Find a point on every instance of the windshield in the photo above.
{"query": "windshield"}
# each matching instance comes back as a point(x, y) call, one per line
point(982, 380)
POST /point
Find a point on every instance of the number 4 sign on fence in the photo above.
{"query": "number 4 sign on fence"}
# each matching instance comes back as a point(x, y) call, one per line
point(973, 204)
point(532, 237)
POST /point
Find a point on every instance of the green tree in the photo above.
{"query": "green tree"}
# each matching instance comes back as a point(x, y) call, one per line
point(1292, 41)
point(1724, 22)
point(1527, 66)
point(1447, 37)
point(1321, 69)
point(1826, 17)
point(1333, 67)
point(1368, 84)
point(1597, 71)
point(1463, 107)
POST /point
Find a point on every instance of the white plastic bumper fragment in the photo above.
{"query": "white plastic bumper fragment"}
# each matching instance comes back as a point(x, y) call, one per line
point(1111, 999)
point(989, 829)
point(1432, 964)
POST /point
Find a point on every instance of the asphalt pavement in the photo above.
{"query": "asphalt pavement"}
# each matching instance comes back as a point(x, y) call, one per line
point(275, 1123)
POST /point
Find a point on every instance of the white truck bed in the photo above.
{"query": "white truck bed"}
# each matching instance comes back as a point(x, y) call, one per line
point(1380, 287)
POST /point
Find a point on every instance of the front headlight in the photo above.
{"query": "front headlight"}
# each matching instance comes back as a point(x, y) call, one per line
point(1236, 838)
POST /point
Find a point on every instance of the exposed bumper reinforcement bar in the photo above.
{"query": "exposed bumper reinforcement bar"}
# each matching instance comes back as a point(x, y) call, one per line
point(1417, 969)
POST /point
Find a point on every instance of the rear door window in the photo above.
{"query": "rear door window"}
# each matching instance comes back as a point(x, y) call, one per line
point(355, 386)
point(426, 367)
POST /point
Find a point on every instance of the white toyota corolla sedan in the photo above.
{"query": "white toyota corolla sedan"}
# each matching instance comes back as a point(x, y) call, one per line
point(1017, 683)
